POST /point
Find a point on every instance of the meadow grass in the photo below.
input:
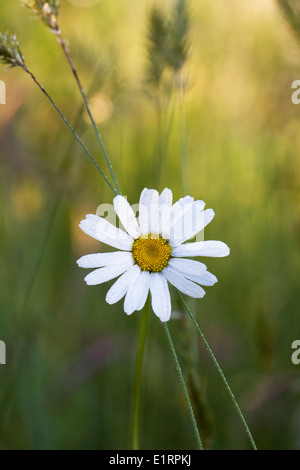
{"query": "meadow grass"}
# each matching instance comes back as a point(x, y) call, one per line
point(70, 356)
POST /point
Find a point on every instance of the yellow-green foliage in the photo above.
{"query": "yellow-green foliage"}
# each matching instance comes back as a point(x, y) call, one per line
point(67, 381)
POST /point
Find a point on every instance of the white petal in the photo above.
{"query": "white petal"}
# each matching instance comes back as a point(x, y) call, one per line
point(212, 248)
point(193, 271)
point(165, 207)
point(97, 260)
point(182, 201)
point(180, 208)
point(105, 232)
point(197, 221)
point(181, 283)
point(127, 217)
point(89, 225)
point(205, 279)
point(120, 287)
point(166, 197)
point(188, 266)
point(149, 211)
point(137, 293)
point(181, 216)
point(160, 296)
point(194, 220)
point(107, 273)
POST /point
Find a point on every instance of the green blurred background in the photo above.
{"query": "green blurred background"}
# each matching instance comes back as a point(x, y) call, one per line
point(68, 380)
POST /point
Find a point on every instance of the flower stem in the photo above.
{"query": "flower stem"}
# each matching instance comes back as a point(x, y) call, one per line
point(183, 385)
point(213, 357)
point(138, 379)
point(70, 127)
point(86, 104)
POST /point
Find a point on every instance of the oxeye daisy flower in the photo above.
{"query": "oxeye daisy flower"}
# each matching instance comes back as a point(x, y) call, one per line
point(153, 251)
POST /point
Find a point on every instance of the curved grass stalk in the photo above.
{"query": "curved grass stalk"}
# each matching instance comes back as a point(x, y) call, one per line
point(213, 357)
point(70, 128)
point(87, 107)
point(183, 386)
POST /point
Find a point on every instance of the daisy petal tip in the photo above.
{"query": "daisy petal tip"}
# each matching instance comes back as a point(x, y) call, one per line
point(163, 320)
point(146, 192)
point(86, 223)
point(223, 249)
point(87, 280)
point(199, 295)
point(127, 306)
point(166, 317)
point(128, 311)
point(85, 261)
point(167, 191)
point(81, 224)
point(119, 199)
point(163, 316)
point(210, 214)
point(226, 250)
point(108, 299)
point(213, 278)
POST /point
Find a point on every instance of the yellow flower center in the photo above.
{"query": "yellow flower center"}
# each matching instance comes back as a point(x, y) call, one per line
point(151, 254)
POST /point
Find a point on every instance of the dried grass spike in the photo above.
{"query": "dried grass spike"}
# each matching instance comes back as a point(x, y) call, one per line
point(10, 52)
